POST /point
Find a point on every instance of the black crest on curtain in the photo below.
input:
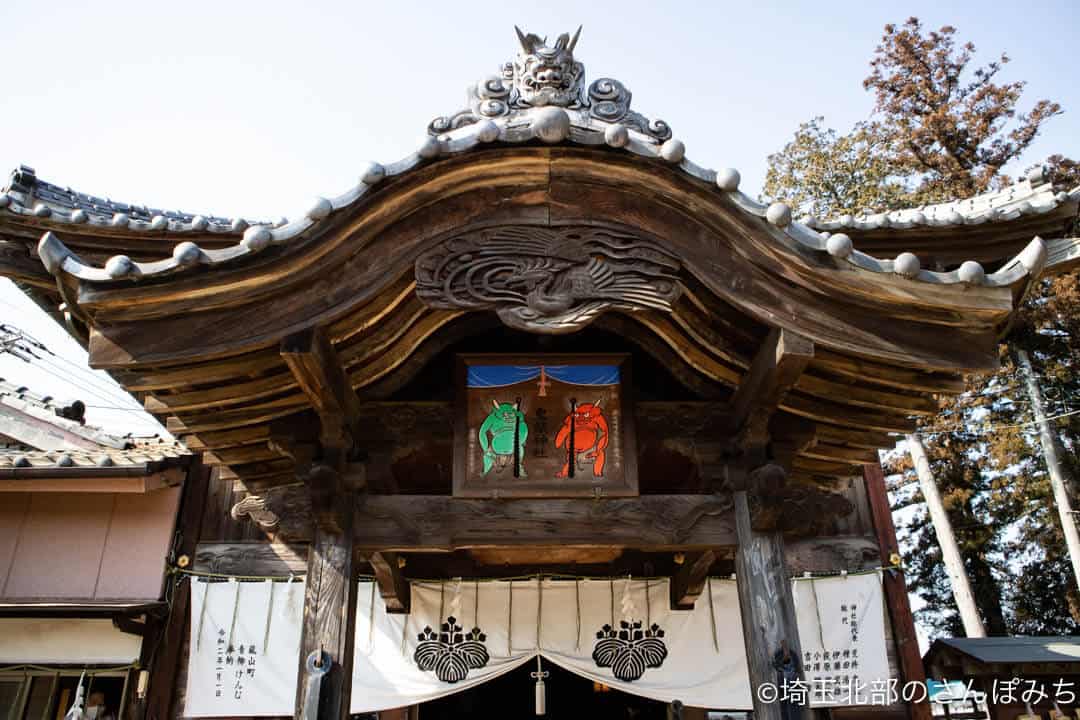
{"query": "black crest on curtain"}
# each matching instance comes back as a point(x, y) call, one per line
point(451, 653)
point(629, 651)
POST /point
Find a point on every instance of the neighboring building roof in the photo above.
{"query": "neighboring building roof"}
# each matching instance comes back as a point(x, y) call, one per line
point(40, 437)
point(44, 199)
point(1037, 649)
point(146, 457)
point(37, 421)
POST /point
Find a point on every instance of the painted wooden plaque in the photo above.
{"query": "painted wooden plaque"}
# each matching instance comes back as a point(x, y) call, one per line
point(544, 426)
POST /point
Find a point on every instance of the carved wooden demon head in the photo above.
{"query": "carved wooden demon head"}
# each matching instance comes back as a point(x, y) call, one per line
point(545, 75)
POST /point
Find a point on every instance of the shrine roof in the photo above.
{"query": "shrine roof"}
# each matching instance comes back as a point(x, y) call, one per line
point(550, 179)
point(1035, 649)
point(514, 108)
point(56, 210)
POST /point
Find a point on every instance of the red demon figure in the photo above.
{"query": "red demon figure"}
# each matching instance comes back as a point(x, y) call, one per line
point(585, 438)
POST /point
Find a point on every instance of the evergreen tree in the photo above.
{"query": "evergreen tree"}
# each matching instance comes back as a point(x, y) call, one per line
point(941, 130)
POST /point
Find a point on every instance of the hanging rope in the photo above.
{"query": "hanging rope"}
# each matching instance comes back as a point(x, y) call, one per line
point(476, 606)
point(577, 600)
point(371, 620)
point(611, 592)
point(648, 607)
point(442, 601)
point(235, 608)
point(817, 612)
point(712, 616)
point(539, 607)
point(202, 615)
point(269, 615)
point(510, 622)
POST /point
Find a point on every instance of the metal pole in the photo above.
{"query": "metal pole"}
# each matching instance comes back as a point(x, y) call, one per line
point(1052, 452)
point(950, 552)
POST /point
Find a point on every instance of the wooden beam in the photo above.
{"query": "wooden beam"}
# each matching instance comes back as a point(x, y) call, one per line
point(440, 523)
point(767, 609)
point(823, 553)
point(689, 580)
point(896, 594)
point(773, 372)
point(435, 523)
point(321, 376)
point(393, 586)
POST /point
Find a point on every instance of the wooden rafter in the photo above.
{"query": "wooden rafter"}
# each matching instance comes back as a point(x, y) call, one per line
point(320, 375)
point(773, 373)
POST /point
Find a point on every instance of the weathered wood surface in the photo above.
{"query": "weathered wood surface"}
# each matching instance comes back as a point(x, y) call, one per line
point(878, 354)
point(393, 586)
point(329, 618)
point(901, 620)
point(516, 185)
point(321, 376)
point(278, 559)
point(442, 523)
point(777, 366)
point(766, 606)
point(689, 580)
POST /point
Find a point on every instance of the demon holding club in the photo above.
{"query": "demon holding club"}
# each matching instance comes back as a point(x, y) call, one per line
point(585, 435)
point(502, 435)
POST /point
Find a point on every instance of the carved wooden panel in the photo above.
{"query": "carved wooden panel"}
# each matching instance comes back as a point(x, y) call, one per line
point(544, 426)
point(548, 280)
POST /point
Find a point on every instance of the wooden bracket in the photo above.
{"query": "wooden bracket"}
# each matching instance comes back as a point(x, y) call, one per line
point(777, 505)
point(326, 488)
point(393, 586)
point(320, 374)
point(773, 372)
point(689, 581)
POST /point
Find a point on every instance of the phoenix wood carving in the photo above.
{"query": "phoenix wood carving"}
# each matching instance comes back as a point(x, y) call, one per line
point(548, 280)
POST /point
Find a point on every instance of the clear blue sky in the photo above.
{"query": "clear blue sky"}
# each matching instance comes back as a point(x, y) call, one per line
point(252, 108)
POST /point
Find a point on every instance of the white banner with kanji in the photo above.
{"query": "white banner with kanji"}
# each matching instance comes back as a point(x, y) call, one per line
point(842, 633)
point(245, 641)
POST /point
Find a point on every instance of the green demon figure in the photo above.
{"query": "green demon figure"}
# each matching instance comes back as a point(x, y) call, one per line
point(497, 436)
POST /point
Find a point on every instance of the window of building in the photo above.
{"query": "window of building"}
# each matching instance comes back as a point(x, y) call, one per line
point(39, 694)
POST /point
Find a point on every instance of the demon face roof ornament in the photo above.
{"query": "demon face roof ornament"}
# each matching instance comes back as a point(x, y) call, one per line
point(541, 76)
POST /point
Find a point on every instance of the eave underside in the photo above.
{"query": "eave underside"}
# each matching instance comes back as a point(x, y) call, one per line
point(202, 349)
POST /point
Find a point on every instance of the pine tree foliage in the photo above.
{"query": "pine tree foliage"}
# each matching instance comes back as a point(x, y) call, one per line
point(943, 129)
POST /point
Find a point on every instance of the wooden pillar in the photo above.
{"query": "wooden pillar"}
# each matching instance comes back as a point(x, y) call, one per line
point(1052, 453)
point(896, 595)
point(950, 551)
point(766, 606)
point(330, 593)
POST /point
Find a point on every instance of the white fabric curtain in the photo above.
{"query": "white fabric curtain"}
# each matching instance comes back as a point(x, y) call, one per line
point(687, 655)
point(245, 641)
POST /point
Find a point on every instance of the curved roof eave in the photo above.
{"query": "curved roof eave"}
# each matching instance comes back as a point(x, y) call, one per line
point(546, 124)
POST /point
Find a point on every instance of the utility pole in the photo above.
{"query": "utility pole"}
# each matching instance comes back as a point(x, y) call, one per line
point(950, 552)
point(1052, 452)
